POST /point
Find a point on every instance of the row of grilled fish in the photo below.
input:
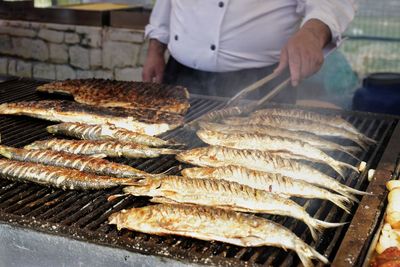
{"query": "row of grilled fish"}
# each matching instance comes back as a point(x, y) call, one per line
point(290, 119)
point(226, 182)
point(44, 162)
point(203, 189)
point(228, 195)
point(248, 151)
point(151, 122)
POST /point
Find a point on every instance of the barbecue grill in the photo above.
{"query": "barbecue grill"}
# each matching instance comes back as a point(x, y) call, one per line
point(30, 210)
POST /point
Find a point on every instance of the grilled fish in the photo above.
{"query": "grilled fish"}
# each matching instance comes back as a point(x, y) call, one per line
point(217, 115)
point(68, 160)
point(57, 177)
point(126, 94)
point(335, 121)
point(271, 182)
point(216, 156)
point(273, 143)
point(105, 132)
point(214, 224)
point(309, 138)
point(102, 147)
point(296, 124)
point(223, 194)
point(150, 122)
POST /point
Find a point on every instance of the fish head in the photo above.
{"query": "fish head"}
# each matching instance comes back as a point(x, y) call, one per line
point(197, 172)
point(146, 186)
point(202, 156)
point(131, 217)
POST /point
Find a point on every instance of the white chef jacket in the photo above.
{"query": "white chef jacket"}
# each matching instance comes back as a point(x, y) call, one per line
point(229, 35)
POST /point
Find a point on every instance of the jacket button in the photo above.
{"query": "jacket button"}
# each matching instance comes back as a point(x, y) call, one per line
point(176, 37)
point(212, 47)
point(221, 4)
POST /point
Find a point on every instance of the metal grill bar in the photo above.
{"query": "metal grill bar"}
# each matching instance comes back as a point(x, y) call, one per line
point(83, 215)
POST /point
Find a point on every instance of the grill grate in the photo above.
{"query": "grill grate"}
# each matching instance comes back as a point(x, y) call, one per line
point(83, 215)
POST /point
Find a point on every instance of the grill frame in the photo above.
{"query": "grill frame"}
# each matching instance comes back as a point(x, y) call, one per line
point(183, 249)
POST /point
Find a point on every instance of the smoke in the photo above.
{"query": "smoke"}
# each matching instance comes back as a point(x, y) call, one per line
point(225, 84)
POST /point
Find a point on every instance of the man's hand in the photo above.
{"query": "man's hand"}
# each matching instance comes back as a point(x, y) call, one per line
point(153, 69)
point(303, 53)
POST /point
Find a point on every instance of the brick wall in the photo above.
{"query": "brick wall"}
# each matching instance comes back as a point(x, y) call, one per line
point(57, 51)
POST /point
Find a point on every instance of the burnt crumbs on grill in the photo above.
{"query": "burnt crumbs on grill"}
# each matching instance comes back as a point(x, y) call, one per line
point(108, 93)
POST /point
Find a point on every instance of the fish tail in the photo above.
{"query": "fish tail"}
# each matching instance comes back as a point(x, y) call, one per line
point(317, 226)
point(31, 146)
point(168, 151)
point(51, 129)
point(338, 168)
point(351, 151)
point(346, 165)
point(367, 140)
point(361, 143)
point(306, 253)
point(5, 152)
point(341, 201)
point(175, 143)
point(114, 197)
point(347, 190)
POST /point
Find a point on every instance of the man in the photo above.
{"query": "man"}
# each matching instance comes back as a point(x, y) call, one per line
point(219, 47)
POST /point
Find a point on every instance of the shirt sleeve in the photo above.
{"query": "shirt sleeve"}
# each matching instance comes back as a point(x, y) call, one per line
point(336, 14)
point(158, 27)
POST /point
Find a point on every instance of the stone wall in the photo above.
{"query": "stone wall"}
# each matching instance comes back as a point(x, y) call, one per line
point(58, 51)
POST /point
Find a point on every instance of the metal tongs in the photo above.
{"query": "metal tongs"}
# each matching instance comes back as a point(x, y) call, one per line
point(252, 87)
point(234, 102)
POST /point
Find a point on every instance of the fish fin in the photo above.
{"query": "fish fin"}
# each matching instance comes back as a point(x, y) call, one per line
point(163, 200)
point(367, 140)
point(251, 240)
point(348, 191)
point(352, 149)
point(317, 226)
point(362, 144)
point(344, 164)
point(168, 151)
point(305, 260)
point(339, 169)
point(52, 129)
point(31, 146)
point(341, 201)
point(98, 156)
point(174, 143)
point(114, 197)
point(5, 152)
point(306, 253)
point(174, 168)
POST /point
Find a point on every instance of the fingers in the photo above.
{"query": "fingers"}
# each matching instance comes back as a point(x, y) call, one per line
point(283, 62)
point(303, 61)
point(158, 78)
point(153, 71)
point(152, 76)
point(295, 66)
point(146, 75)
